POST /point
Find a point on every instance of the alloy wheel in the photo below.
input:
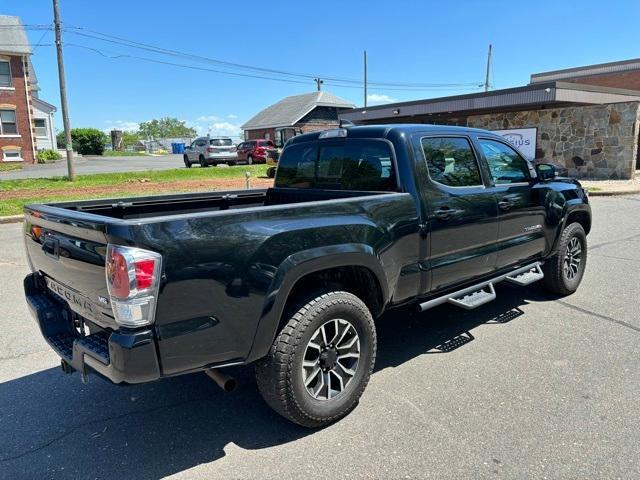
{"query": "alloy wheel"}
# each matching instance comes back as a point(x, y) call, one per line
point(331, 359)
point(572, 258)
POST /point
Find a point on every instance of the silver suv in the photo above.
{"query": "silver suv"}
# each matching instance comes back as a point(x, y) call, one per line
point(210, 151)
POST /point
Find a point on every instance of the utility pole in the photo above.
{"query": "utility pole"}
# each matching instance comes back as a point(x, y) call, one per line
point(486, 78)
point(365, 79)
point(63, 94)
point(319, 82)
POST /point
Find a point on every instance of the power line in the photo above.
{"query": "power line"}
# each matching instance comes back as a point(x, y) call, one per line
point(116, 56)
point(161, 50)
point(337, 81)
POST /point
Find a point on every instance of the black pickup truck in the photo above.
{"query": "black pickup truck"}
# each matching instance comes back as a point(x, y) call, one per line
point(360, 220)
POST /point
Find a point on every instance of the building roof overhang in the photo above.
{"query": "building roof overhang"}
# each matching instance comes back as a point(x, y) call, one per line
point(547, 95)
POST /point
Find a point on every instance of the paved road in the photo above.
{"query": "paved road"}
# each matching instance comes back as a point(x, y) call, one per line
point(537, 389)
point(87, 165)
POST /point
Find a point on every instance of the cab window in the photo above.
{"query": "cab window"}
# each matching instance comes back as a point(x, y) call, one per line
point(451, 161)
point(505, 164)
point(362, 165)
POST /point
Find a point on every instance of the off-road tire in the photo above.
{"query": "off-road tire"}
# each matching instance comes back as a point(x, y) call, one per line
point(279, 374)
point(555, 280)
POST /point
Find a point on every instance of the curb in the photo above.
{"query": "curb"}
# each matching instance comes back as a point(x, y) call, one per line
point(12, 219)
point(612, 193)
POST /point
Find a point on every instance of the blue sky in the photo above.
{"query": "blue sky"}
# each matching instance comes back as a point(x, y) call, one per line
point(407, 42)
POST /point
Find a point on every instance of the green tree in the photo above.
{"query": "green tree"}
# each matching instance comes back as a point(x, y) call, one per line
point(130, 138)
point(85, 141)
point(165, 127)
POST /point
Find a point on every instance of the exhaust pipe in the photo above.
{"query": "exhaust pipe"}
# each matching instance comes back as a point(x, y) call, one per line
point(225, 382)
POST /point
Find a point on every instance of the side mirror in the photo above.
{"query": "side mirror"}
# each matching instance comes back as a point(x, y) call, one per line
point(546, 172)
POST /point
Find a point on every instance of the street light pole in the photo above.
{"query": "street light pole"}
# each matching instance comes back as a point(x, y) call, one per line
point(63, 93)
point(488, 71)
point(365, 79)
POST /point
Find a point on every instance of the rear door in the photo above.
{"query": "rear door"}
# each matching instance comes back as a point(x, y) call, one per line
point(242, 152)
point(521, 213)
point(191, 152)
point(463, 214)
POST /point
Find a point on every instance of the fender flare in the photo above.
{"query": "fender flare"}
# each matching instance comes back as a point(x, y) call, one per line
point(572, 206)
point(299, 265)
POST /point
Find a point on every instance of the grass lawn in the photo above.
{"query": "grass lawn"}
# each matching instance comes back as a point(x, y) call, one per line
point(111, 153)
point(14, 194)
point(8, 166)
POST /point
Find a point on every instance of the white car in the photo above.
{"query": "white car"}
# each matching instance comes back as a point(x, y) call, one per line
point(207, 151)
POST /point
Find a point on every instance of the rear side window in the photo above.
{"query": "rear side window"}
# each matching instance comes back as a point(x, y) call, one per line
point(365, 165)
point(451, 161)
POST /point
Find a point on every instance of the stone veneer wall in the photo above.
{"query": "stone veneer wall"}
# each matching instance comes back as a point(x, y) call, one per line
point(599, 141)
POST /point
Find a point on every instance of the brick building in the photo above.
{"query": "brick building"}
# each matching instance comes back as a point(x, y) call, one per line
point(585, 120)
point(18, 90)
point(294, 115)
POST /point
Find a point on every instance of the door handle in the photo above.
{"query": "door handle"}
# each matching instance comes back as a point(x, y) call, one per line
point(505, 204)
point(445, 213)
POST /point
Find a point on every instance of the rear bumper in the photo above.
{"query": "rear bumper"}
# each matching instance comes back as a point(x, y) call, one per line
point(121, 356)
point(222, 158)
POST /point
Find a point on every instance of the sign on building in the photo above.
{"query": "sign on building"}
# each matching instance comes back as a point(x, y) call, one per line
point(524, 139)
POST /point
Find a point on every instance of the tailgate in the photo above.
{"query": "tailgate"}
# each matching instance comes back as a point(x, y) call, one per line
point(68, 249)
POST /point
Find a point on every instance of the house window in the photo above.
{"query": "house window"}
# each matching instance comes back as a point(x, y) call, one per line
point(40, 125)
point(5, 74)
point(8, 124)
point(12, 155)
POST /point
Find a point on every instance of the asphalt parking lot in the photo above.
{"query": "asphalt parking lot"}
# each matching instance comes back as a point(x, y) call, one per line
point(89, 165)
point(526, 387)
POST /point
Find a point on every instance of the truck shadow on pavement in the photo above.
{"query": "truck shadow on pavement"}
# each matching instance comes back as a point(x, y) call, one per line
point(53, 426)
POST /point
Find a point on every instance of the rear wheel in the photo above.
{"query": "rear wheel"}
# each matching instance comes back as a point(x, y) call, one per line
point(187, 163)
point(249, 160)
point(231, 163)
point(271, 172)
point(564, 271)
point(203, 162)
point(321, 361)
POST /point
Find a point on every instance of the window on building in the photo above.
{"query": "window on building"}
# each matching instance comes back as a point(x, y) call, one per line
point(12, 155)
point(40, 126)
point(505, 164)
point(451, 161)
point(8, 125)
point(5, 74)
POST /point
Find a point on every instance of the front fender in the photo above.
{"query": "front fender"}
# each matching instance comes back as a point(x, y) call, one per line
point(297, 266)
point(571, 207)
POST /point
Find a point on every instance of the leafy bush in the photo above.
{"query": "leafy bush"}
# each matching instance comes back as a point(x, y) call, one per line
point(86, 141)
point(48, 155)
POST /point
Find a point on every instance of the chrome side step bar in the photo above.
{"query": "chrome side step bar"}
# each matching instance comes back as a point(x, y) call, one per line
point(526, 278)
point(476, 295)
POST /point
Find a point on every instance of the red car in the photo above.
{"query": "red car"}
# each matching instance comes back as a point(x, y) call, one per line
point(255, 151)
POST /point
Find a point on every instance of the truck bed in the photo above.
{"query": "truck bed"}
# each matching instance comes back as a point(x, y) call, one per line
point(177, 204)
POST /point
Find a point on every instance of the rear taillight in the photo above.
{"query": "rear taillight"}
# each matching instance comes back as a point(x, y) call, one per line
point(133, 277)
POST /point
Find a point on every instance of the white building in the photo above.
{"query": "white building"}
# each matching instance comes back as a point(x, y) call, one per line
point(43, 126)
